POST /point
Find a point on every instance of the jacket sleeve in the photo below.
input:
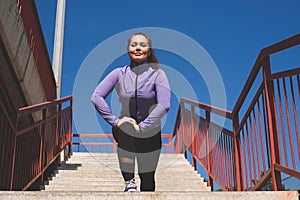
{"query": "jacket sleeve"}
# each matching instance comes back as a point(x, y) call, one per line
point(104, 88)
point(163, 96)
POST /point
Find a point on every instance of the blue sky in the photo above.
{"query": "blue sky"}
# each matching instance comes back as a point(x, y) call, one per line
point(232, 32)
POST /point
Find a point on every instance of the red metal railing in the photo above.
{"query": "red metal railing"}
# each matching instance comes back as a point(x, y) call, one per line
point(264, 143)
point(106, 143)
point(210, 145)
point(31, 146)
point(261, 136)
point(7, 137)
point(269, 132)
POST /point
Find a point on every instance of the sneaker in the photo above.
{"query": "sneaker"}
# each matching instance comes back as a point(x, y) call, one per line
point(130, 186)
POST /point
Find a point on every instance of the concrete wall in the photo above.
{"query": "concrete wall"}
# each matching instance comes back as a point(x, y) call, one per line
point(13, 34)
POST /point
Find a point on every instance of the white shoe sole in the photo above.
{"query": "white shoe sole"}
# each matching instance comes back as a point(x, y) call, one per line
point(131, 190)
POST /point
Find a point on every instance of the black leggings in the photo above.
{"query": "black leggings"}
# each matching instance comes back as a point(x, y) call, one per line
point(146, 150)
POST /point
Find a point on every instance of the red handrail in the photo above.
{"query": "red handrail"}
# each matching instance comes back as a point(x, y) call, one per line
point(261, 133)
point(264, 143)
point(41, 132)
point(206, 141)
point(93, 143)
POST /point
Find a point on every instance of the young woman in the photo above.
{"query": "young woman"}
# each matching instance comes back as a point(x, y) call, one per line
point(144, 94)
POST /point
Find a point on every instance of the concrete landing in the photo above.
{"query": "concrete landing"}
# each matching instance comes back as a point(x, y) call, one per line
point(95, 195)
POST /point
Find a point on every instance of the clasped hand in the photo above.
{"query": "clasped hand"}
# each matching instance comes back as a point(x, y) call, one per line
point(131, 121)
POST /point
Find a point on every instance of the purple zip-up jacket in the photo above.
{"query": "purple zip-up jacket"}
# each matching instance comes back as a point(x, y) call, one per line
point(144, 94)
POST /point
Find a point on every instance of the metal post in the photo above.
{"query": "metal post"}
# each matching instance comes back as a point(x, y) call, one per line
point(58, 43)
point(208, 151)
point(70, 150)
point(237, 154)
point(11, 184)
point(193, 140)
point(42, 146)
point(272, 123)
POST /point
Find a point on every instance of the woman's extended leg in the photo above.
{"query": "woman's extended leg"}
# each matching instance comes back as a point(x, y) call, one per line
point(147, 164)
point(148, 152)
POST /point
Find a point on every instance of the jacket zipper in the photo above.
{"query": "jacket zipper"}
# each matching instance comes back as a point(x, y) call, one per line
point(136, 93)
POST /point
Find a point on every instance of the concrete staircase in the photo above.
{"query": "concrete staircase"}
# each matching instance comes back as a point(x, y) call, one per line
point(100, 172)
point(97, 176)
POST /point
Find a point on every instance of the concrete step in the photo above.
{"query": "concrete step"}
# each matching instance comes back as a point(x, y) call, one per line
point(118, 182)
point(161, 161)
point(115, 183)
point(116, 166)
point(188, 195)
point(87, 180)
point(93, 157)
point(91, 172)
point(103, 167)
point(121, 189)
point(118, 178)
point(113, 156)
point(110, 155)
point(111, 162)
point(108, 176)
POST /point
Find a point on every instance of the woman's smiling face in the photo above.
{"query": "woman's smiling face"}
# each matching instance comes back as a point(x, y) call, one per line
point(138, 48)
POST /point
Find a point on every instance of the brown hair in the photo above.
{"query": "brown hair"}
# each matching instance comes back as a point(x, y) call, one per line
point(152, 59)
